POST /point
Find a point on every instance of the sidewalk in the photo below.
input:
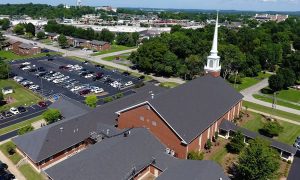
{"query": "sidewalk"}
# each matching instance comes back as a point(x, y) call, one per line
point(11, 167)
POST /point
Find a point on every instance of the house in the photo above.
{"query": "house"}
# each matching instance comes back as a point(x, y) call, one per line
point(134, 154)
point(77, 42)
point(98, 45)
point(7, 90)
point(23, 49)
point(52, 36)
point(14, 45)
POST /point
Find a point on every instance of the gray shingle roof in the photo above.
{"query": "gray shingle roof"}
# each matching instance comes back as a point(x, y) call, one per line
point(193, 170)
point(99, 43)
point(69, 107)
point(230, 126)
point(192, 107)
point(114, 158)
point(49, 140)
point(26, 46)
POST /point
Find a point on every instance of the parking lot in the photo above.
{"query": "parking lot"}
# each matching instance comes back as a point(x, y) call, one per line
point(52, 76)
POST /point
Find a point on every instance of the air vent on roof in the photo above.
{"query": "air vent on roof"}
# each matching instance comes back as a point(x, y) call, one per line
point(107, 131)
point(167, 150)
point(172, 153)
point(61, 129)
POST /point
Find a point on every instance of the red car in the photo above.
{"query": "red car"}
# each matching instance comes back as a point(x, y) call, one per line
point(42, 104)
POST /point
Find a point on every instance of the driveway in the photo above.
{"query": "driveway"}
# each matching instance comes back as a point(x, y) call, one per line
point(249, 92)
point(97, 59)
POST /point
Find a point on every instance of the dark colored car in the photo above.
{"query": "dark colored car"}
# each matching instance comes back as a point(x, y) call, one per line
point(50, 59)
point(63, 67)
point(32, 70)
point(41, 69)
point(134, 67)
point(42, 104)
point(84, 92)
point(21, 66)
point(22, 109)
point(11, 75)
point(84, 62)
point(45, 50)
point(108, 81)
point(126, 73)
point(3, 165)
point(7, 176)
point(40, 74)
point(141, 77)
point(99, 66)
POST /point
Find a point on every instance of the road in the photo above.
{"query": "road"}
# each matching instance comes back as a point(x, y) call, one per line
point(97, 59)
point(249, 92)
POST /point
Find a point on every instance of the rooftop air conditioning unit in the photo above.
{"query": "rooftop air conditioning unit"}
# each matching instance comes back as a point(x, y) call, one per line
point(168, 150)
point(172, 153)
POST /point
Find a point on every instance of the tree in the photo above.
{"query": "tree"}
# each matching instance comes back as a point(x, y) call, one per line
point(236, 144)
point(108, 99)
point(3, 42)
point(195, 155)
point(25, 129)
point(276, 82)
point(62, 41)
point(10, 148)
point(5, 24)
point(40, 35)
point(4, 70)
point(288, 76)
point(19, 29)
point(30, 28)
point(106, 35)
point(91, 101)
point(194, 65)
point(258, 161)
point(1, 97)
point(52, 115)
point(271, 129)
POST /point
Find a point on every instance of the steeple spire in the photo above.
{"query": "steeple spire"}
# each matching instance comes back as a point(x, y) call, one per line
point(213, 61)
point(214, 49)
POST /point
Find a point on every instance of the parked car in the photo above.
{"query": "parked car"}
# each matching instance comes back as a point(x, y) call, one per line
point(22, 109)
point(26, 63)
point(34, 87)
point(26, 68)
point(7, 114)
point(42, 104)
point(84, 92)
point(129, 83)
point(126, 73)
point(14, 110)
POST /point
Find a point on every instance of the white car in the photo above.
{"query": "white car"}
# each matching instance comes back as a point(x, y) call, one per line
point(34, 87)
point(97, 91)
point(26, 68)
point(76, 88)
point(26, 63)
point(89, 76)
point(18, 78)
point(129, 83)
point(14, 110)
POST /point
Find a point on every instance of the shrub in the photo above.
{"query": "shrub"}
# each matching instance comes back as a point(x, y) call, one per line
point(236, 143)
point(193, 155)
point(119, 95)
point(10, 149)
point(208, 144)
point(235, 79)
point(91, 101)
point(108, 99)
point(52, 115)
point(25, 129)
point(271, 129)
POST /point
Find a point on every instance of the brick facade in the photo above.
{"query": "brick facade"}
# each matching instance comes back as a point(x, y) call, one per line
point(15, 47)
point(145, 116)
point(150, 169)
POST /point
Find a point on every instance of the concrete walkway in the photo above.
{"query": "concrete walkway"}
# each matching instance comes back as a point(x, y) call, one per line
point(249, 92)
point(11, 167)
point(275, 117)
point(98, 59)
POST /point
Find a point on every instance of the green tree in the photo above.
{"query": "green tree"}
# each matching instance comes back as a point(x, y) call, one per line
point(276, 82)
point(208, 144)
point(1, 97)
point(271, 129)
point(62, 41)
point(236, 144)
point(19, 29)
point(4, 70)
point(30, 28)
point(288, 76)
point(25, 129)
point(52, 115)
point(40, 35)
point(106, 35)
point(258, 161)
point(194, 65)
point(195, 155)
point(91, 101)
point(5, 24)
point(108, 99)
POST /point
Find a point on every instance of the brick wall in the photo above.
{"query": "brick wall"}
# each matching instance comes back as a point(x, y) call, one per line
point(145, 117)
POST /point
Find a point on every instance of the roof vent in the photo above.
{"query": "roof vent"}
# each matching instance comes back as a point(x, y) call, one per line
point(107, 131)
point(172, 153)
point(167, 150)
point(152, 96)
point(61, 129)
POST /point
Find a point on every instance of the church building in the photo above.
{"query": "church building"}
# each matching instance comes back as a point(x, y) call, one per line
point(185, 118)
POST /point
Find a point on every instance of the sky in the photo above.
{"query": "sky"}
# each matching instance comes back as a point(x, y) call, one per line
point(256, 5)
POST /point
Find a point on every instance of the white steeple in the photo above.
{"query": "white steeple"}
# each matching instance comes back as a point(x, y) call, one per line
point(213, 60)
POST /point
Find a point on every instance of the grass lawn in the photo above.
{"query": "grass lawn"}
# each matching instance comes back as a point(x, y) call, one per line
point(8, 55)
point(250, 81)
point(19, 125)
point(21, 95)
point(114, 48)
point(121, 56)
point(279, 102)
point(15, 158)
point(269, 110)
point(289, 95)
point(219, 156)
point(30, 173)
point(289, 134)
point(168, 84)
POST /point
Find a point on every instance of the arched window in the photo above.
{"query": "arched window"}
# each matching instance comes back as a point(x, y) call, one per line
point(211, 63)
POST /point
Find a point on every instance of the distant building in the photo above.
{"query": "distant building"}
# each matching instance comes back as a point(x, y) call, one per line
point(106, 8)
point(94, 44)
point(270, 17)
point(23, 49)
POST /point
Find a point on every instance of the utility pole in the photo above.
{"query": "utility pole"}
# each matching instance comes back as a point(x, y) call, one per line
point(273, 104)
